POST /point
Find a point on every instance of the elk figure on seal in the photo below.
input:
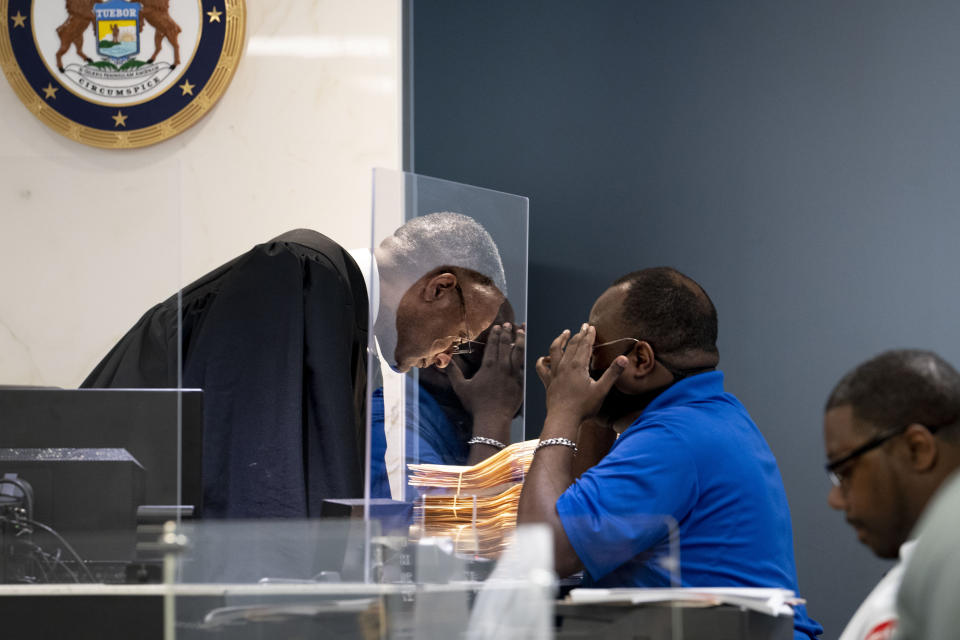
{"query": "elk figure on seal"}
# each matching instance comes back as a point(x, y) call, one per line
point(79, 16)
point(157, 13)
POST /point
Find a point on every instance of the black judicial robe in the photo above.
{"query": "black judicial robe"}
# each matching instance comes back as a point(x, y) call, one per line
point(277, 340)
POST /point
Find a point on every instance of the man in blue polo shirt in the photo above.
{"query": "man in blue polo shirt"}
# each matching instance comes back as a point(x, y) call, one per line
point(687, 452)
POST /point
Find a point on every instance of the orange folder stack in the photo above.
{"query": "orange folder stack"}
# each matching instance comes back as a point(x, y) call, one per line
point(475, 506)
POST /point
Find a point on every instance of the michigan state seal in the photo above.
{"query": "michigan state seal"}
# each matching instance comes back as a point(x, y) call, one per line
point(116, 73)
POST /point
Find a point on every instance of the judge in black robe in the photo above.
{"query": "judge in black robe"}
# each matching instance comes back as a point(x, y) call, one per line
point(277, 341)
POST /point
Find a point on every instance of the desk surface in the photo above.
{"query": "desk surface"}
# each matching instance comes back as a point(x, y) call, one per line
point(123, 611)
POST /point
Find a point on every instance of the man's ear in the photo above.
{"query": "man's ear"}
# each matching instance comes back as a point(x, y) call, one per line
point(922, 447)
point(438, 286)
point(641, 359)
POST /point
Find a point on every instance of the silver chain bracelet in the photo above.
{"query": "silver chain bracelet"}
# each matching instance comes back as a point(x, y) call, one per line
point(488, 441)
point(565, 442)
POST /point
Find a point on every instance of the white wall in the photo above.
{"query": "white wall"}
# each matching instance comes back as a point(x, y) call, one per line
point(91, 238)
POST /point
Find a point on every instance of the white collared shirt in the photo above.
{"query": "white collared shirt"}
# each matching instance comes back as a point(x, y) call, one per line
point(876, 617)
point(393, 383)
point(367, 262)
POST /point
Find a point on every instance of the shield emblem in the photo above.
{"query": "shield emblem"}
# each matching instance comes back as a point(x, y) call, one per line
point(118, 30)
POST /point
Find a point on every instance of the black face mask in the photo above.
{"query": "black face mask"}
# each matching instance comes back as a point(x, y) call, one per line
point(618, 404)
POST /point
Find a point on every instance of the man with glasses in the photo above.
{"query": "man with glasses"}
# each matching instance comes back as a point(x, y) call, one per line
point(441, 282)
point(891, 438)
point(688, 456)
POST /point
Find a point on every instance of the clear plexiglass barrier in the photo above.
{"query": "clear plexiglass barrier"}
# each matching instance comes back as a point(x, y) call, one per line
point(84, 463)
point(260, 579)
point(446, 378)
point(300, 579)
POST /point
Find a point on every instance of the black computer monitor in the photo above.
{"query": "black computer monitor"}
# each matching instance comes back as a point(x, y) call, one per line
point(90, 459)
point(64, 511)
point(161, 428)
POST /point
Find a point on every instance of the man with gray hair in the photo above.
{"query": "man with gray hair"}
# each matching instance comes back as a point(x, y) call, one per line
point(277, 339)
point(891, 437)
point(441, 283)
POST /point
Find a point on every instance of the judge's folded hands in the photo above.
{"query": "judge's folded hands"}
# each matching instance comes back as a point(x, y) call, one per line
point(565, 373)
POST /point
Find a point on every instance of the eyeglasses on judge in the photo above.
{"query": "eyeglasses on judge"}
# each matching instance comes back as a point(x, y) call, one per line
point(463, 345)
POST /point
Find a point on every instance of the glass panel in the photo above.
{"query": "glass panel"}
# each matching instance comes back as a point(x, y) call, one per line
point(516, 601)
point(86, 252)
point(447, 351)
point(272, 551)
point(641, 550)
point(374, 572)
point(299, 579)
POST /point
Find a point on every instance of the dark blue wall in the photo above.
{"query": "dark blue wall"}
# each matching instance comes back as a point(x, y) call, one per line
point(798, 159)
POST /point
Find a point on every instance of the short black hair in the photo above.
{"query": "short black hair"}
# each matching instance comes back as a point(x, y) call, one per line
point(670, 311)
point(901, 387)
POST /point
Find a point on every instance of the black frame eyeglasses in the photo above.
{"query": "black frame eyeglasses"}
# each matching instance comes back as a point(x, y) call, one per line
point(462, 344)
point(464, 347)
point(837, 478)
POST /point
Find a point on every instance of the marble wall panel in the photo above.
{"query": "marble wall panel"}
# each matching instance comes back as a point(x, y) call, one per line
point(94, 237)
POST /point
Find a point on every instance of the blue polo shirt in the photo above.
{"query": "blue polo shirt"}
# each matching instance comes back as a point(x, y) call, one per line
point(696, 456)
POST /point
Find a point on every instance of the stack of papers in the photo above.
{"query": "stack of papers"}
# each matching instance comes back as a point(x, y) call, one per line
point(506, 466)
point(478, 525)
point(474, 506)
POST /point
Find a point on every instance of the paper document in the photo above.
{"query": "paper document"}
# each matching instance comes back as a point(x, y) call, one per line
point(774, 602)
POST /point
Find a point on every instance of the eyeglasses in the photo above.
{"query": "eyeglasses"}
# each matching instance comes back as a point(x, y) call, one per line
point(462, 345)
point(837, 477)
point(630, 343)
